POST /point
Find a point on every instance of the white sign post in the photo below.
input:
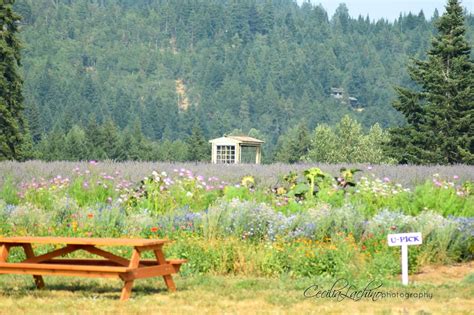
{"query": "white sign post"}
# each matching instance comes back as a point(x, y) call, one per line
point(403, 240)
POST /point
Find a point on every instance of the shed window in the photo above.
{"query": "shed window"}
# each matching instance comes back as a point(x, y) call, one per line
point(226, 154)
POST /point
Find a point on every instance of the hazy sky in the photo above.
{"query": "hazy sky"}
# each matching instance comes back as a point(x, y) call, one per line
point(388, 9)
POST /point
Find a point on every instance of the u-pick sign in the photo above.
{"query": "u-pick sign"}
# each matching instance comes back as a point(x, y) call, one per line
point(404, 239)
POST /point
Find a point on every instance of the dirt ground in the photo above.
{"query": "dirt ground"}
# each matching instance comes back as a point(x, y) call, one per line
point(443, 274)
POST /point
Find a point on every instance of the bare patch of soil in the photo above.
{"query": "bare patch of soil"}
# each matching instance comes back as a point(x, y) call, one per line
point(443, 274)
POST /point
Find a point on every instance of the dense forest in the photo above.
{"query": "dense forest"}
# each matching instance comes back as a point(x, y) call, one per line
point(107, 76)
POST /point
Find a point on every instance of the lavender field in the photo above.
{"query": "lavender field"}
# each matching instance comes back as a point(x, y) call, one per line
point(409, 175)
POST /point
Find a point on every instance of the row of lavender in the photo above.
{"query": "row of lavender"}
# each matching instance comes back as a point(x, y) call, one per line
point(407, 175)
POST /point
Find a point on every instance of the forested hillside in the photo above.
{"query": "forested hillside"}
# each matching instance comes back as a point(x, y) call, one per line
point(160, 69)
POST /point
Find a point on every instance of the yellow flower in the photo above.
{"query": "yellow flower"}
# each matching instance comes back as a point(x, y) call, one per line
point(248, 181)
point(74, 226)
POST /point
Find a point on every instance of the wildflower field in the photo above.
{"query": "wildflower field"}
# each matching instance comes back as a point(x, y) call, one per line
point(279, 221)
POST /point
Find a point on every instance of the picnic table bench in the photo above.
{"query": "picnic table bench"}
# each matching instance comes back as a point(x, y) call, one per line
point(110, 266)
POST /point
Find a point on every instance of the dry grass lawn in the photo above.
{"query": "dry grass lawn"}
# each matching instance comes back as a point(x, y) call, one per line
point(453, 293)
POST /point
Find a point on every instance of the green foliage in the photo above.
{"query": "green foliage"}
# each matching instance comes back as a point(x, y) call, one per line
point(441, 196)
point(14, 143)
point(9, 192)
point(347, 143)
point(293, 145)
point(199, 149)
point(315, 177)
point(439, 112)
point(235, 229)
point(161, 194)
point(243, 64)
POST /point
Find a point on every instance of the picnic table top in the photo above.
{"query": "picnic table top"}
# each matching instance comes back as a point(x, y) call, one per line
point(83, 241)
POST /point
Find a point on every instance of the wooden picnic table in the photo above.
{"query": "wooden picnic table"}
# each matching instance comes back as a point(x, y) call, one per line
point(110, 266)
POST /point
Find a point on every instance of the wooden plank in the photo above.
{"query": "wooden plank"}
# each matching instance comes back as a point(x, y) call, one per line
point(149, 248)
point(59, 252)
point(176, 261)
point(4, 250)
point(160, 257)
point(99, 252)
point(30, 254)
point(148, 272)
point(104, 262)
point(83, 241)
point(81, 261)
point(127, 288)
point(7, 266)
point(72, 273)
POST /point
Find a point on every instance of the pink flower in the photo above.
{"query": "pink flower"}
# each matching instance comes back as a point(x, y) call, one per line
point(386, 179)
point(456, 177)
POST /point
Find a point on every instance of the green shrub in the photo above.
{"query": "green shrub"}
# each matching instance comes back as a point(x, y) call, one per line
point(8, 192)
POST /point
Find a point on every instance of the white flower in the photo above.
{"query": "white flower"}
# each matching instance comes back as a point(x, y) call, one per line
point(189, 194)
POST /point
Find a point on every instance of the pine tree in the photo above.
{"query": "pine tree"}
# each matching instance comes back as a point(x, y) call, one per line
point(33, 116)
point(198, 148)
point(439, 116)
point(294, 145)
point(13, 128)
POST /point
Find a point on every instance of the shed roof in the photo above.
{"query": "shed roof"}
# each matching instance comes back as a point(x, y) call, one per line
point(237, 139)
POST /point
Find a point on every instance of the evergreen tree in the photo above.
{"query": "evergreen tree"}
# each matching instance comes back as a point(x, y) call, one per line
point(34, 123)
point(51, 147)
point(198, 148)
point(439, 115)
point(13, 129)
point(109, 139)
point(75, 144)
point(294, 144)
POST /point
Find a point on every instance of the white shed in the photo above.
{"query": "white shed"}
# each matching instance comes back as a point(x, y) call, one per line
point(228, 149)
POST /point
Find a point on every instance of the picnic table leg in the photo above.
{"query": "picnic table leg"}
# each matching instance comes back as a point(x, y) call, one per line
point(4, 250)
point(127, 288)
point(39, 282)
point(160, 257)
